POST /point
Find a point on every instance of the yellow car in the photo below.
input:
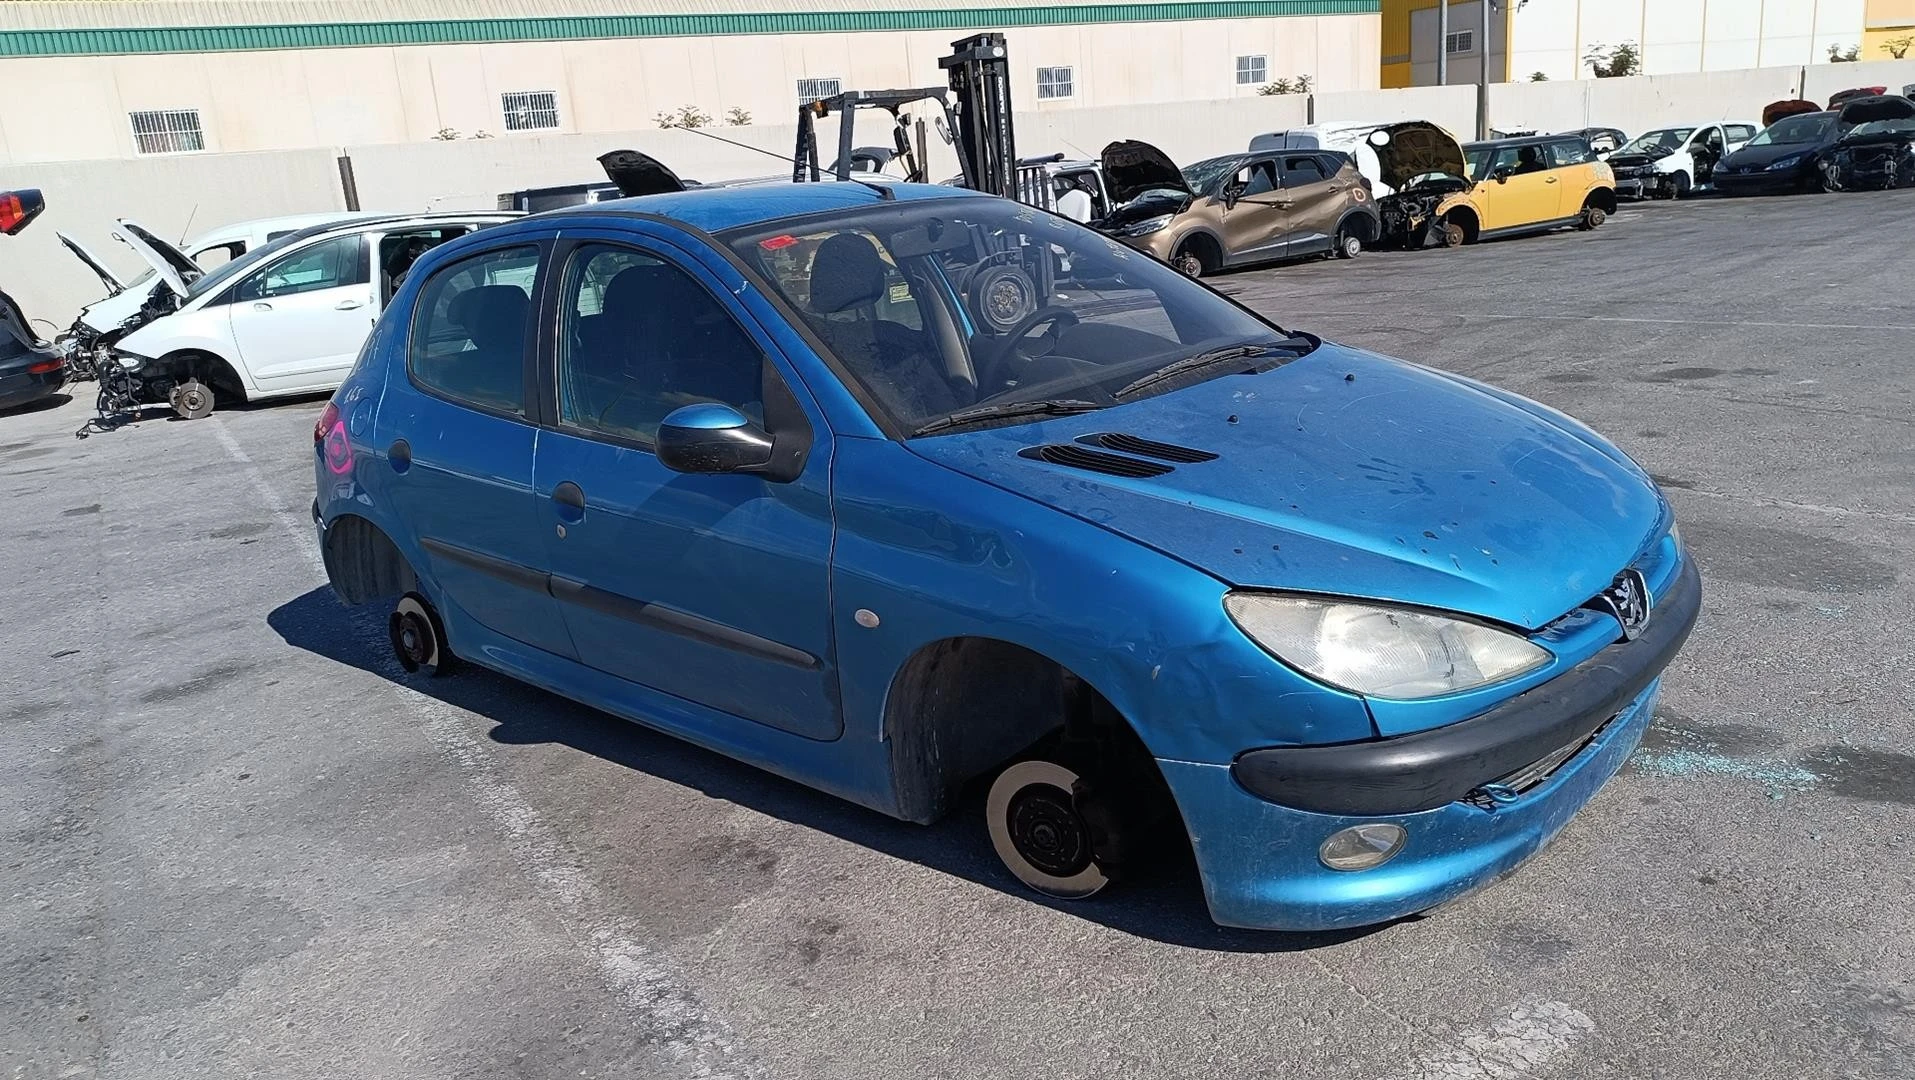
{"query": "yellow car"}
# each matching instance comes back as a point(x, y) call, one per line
point(1528, 185)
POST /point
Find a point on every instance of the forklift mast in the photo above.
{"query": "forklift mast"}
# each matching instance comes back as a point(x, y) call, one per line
point(979, 71)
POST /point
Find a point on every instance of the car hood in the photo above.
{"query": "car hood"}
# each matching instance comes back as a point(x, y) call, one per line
point(1763, 155)
point(1416, 148)
point(174, 268)
point(107, 277)
point(1352, 474)
point(1132, 167)
point(634, 172)
point(1897, 135)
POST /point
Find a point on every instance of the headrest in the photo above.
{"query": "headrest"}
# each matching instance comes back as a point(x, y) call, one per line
point(846, 273)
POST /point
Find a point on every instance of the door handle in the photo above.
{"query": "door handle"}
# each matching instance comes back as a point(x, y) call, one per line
point(348, 305)
point(1549, 180)
point(570, 500)
point(261, 305)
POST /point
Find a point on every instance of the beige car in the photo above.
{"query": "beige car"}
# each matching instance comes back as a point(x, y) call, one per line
point(1237, 210)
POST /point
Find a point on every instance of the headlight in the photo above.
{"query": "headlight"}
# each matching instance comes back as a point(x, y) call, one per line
point(1146, 226)
point(1785, 163)
point(1382, 651)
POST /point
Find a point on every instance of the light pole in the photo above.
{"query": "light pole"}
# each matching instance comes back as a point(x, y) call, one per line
point(1482, 72)
point(1443, 43)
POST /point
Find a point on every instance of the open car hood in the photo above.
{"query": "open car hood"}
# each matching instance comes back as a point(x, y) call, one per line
point(636, 173)
point(1416, 148)
point(114, 286)
point(1882, 107)
point(174, 268)
point(1132, 167)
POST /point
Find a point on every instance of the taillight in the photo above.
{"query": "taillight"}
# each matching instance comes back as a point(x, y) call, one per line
point(45, 366)
point(329, 437)
point(326, 422)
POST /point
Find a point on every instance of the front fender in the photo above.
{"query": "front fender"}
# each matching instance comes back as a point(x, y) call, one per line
point(189, 331)
point(926, 554)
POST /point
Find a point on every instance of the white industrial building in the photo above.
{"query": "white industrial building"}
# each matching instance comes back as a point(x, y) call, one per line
point(88, 79)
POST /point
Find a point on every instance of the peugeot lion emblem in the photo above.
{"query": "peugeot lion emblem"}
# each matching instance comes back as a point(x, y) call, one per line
point(1627, 598)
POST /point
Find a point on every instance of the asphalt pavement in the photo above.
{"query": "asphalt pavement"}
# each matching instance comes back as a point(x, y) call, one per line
point(235, 840)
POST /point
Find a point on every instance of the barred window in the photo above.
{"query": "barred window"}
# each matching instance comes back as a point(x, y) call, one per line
point(167, 131)
point(1461, 41)
point(1252, 69)
point(810, 90)
point(530, 110)
point(1054, 82)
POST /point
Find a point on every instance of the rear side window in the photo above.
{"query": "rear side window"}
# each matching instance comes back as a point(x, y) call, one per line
point(1569, 152)
point(471, 329)
point(1741, 133)
point(1302, 170)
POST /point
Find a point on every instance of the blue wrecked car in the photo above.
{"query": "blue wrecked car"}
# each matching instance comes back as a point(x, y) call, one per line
point(903, 492)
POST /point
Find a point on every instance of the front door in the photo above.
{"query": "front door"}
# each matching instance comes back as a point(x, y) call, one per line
point(458, 439)
point(299, 321)
point(711, 588)
point(1521, 190)
point(1255, 224)
point(1316, 201)
point(1571, 161)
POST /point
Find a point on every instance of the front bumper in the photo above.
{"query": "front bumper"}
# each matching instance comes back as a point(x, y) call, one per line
point(1258, 857)
point(1761, 183)
point(1638, 187)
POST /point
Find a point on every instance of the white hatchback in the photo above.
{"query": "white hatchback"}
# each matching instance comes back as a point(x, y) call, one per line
point(282, 319)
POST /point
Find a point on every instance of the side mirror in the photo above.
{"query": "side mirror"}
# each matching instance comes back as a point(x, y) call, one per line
point(712, 438)
point(1502, 176)
point(17, 208)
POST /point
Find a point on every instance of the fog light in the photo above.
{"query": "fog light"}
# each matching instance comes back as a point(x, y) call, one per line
point(1361, 847)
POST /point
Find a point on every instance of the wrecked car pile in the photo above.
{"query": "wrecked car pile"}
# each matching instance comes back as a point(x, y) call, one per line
point(1877, 152)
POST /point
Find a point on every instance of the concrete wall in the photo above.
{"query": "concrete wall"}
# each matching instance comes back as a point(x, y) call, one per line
point(273, 100)
point(173, 196)
point(1642, 102)
point(1829, 79)
point(1678, 36)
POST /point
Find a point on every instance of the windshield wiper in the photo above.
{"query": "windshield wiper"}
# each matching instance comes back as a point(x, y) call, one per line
point(1296, 346)
point(1003, 409)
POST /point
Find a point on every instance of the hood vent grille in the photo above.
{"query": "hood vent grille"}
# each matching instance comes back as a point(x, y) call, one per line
point(1082, 457)
point(1162, 451)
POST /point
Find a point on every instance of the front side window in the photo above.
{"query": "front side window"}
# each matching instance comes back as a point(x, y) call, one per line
point(1263, 179)
point(471, 329)
point(1055, 82)
point(937, 308)
point(1252, 69)
point(1569, 152)
point(1741, 133)
point(327, 264)
point(640, 338)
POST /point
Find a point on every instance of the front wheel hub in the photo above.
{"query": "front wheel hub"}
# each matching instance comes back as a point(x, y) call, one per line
point(1034, 814)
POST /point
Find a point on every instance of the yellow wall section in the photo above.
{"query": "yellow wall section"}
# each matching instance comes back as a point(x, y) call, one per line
point(1396, 40)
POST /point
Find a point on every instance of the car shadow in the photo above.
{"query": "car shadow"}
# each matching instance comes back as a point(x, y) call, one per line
point(1165, 905)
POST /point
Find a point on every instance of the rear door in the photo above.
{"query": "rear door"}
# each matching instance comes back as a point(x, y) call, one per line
point(298, 321)
point(457, 437)
point(1316, 201)
point(1256, 223)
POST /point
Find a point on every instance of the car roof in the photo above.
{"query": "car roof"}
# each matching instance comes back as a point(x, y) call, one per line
point(718, 209)
point(371, 220)
point(1520, 140)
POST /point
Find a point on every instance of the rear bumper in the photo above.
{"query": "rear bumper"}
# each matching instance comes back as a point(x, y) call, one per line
point(23, 388)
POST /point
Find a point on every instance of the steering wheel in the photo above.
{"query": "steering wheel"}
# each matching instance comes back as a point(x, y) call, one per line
point(1060, 317)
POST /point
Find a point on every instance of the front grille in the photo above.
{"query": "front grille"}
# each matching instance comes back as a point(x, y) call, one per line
point(1509, 788)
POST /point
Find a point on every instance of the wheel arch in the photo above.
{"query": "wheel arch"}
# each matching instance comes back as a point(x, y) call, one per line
point(959, 706)
point(210, 368)
point(1602, 198)
point(363, 563)
point(1368, 224)
point(1210, 246)
point(1467, 216)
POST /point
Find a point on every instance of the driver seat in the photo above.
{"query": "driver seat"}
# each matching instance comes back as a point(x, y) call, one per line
point(847, 281)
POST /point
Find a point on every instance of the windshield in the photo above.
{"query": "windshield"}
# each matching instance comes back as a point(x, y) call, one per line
point(226, 272)
point(939, 306)
point(1659, 142)
point(1207, 172)
point(1795, 129)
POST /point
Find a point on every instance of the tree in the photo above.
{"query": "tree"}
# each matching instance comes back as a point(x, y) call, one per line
point(1839, 55)
point(1538, 76)
point(1299, 85)
point(1614, 61)
point(737, 117)
point(1898, 47)
point(446, 134)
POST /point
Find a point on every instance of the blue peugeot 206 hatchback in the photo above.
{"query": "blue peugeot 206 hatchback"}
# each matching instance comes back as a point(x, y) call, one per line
point(894, 490)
